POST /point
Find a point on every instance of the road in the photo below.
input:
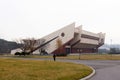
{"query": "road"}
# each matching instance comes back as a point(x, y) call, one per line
point(105, 69)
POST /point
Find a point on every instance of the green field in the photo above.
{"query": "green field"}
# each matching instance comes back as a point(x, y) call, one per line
point(14, 69)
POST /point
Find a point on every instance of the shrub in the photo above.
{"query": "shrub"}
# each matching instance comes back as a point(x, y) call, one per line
point(61, 54)
point(22, 53)
point(17, 53)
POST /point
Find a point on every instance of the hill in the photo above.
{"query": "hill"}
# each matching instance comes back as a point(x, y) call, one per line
point(7, 46)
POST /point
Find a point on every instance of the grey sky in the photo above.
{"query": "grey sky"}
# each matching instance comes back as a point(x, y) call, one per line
point(37, 18)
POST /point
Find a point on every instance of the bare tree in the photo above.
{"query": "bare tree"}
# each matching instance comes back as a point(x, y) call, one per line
point(30, 44)
point(27, 44)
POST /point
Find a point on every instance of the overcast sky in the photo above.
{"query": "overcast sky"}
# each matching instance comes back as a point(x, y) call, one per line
point(37, 18)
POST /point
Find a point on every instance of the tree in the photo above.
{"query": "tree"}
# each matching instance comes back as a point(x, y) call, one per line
point(27, 44)
point(59, 47)
point(59, 42)
point(30, 45)
point(114, 51)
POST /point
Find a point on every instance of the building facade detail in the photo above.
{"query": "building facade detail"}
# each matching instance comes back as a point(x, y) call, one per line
point(71, 39)
point(75, 40)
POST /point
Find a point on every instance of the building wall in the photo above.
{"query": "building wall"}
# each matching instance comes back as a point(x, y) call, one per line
point(65, 34)
point(77, 35)
point(89, 41)
point(15, 50)
point(83, 50)
point(89, 33)
point(73, 40)
point(81, 41)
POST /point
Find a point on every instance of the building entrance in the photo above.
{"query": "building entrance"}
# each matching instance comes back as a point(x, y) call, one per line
point(68, 50)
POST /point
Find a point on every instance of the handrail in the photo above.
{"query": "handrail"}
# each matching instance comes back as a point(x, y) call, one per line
point(43, 44)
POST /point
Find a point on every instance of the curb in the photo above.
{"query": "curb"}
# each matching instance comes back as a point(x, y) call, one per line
point(89, 76)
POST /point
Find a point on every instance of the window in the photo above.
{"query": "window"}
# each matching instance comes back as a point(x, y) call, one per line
point(62, 34)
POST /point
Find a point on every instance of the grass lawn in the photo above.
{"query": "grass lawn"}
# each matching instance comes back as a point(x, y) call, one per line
point(93, 57)
point(76, 57)
point(14, 69)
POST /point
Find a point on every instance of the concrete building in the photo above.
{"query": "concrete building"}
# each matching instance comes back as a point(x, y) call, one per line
point(15, 50)
point(73, 39)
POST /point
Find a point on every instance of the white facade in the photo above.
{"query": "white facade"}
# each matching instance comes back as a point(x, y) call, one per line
point(68, 32)
point(76, 36)
point(15, 50)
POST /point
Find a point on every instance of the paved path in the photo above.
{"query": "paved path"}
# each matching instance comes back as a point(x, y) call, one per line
point(105, 69)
